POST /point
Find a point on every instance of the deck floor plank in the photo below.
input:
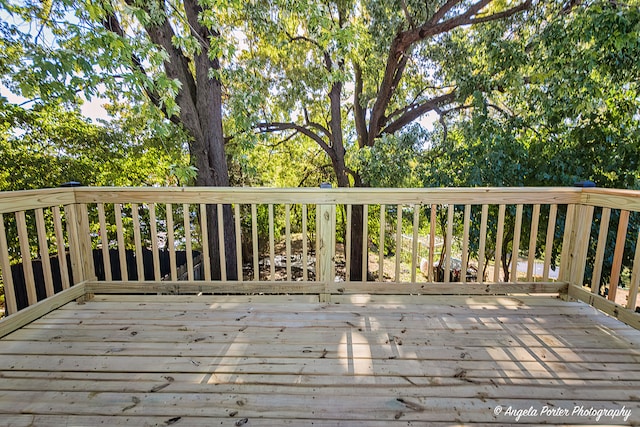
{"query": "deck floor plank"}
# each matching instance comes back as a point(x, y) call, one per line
point(279, 360)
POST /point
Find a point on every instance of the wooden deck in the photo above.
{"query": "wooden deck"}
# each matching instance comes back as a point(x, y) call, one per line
point(291, 360)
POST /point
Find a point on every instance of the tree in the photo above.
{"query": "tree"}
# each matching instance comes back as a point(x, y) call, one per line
point(48, 145)
point(345, 73)
point(565, 109)
point(169, 52)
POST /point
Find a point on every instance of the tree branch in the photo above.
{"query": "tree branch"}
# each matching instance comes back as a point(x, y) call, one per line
point(327, 58)
point(570, 5)
point(402, 64)
point(283, 141)
point(112, 24)
point(280, 126)
point(303, 38)
point(309, 172)
point(443, 123)
point(176, 67)
point(440, 13)
point(315, 125)
point(504, 14)
point(407, 15)
point(405, 39)
point(432, 28)
point(411, 114)
point(357, 180)
point(358, 109)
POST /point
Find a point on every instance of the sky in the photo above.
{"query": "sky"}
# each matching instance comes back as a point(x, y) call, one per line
point(93, 109)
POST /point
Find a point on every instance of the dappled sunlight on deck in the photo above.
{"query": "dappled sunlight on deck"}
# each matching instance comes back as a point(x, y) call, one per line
point(377, 360)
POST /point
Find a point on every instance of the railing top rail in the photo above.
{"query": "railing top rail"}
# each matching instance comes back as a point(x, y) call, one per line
point(611, 198)
point(13, 201)
point(478, 195)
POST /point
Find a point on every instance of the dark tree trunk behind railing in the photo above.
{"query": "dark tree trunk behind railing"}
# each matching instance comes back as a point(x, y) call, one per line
point(357, 236)
point(229, 242)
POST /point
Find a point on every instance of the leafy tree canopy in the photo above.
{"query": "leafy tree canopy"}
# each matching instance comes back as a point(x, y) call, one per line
point(48, 145)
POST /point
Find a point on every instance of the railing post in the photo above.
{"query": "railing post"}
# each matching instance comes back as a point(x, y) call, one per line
point(326, 235)
point(79, 233)
point(580, 243)
point(580, 234)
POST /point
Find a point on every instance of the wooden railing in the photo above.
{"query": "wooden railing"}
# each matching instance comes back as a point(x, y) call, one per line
point(417, 241)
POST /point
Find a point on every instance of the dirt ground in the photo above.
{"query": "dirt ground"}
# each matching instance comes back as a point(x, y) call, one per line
point(388, 271)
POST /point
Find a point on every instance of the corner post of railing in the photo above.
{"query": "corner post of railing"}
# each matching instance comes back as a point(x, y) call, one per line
point(79, 233)
point(326, 235)
point(579, 241)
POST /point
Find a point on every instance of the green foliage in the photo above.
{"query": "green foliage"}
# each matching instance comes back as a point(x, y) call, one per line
point(49, 145)
point(551, 105)
point(393, 161)
point(546, 97)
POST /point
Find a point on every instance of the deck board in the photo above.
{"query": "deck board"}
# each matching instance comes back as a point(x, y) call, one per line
point(278, 360)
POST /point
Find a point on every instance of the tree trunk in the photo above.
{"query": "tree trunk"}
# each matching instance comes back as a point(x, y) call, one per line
point(506, 262)
point(356, 272)
point(357, 226)
point(209, 176)
point(209, 139)
point(336, 154)
point(229, 243)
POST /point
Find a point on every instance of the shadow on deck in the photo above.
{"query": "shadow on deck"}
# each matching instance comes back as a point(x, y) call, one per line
point(359, 360)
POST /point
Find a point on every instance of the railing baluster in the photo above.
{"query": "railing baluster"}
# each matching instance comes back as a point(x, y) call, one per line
point(223, 255)
point(600, 249)
point(618, 253)
point(44, 252)
point(448, 243)
point(238, 242)
point(398, 241)
point(84, 241)
point(7, 276)
point(186, 221)
point(516, 244)
point(204, 236)
point(254, 241)
point(347, 249)
point(414, 242)
point(287, 239)
point(171, 243)
point(25, 252)
point(62, 251)
point(548, 246)
point(124, 273)
point(565, 273)
point(104, 240)
point(499, 239)
point(365, 242)
point(635, 278)
point(465, 243)
point(533, 238)
point(71, 220)
point(483, 242)
point(272, 254)
point(154, 241)
point(305, 259)
point(381, 244)
point(137, 239)
point(432, 243)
